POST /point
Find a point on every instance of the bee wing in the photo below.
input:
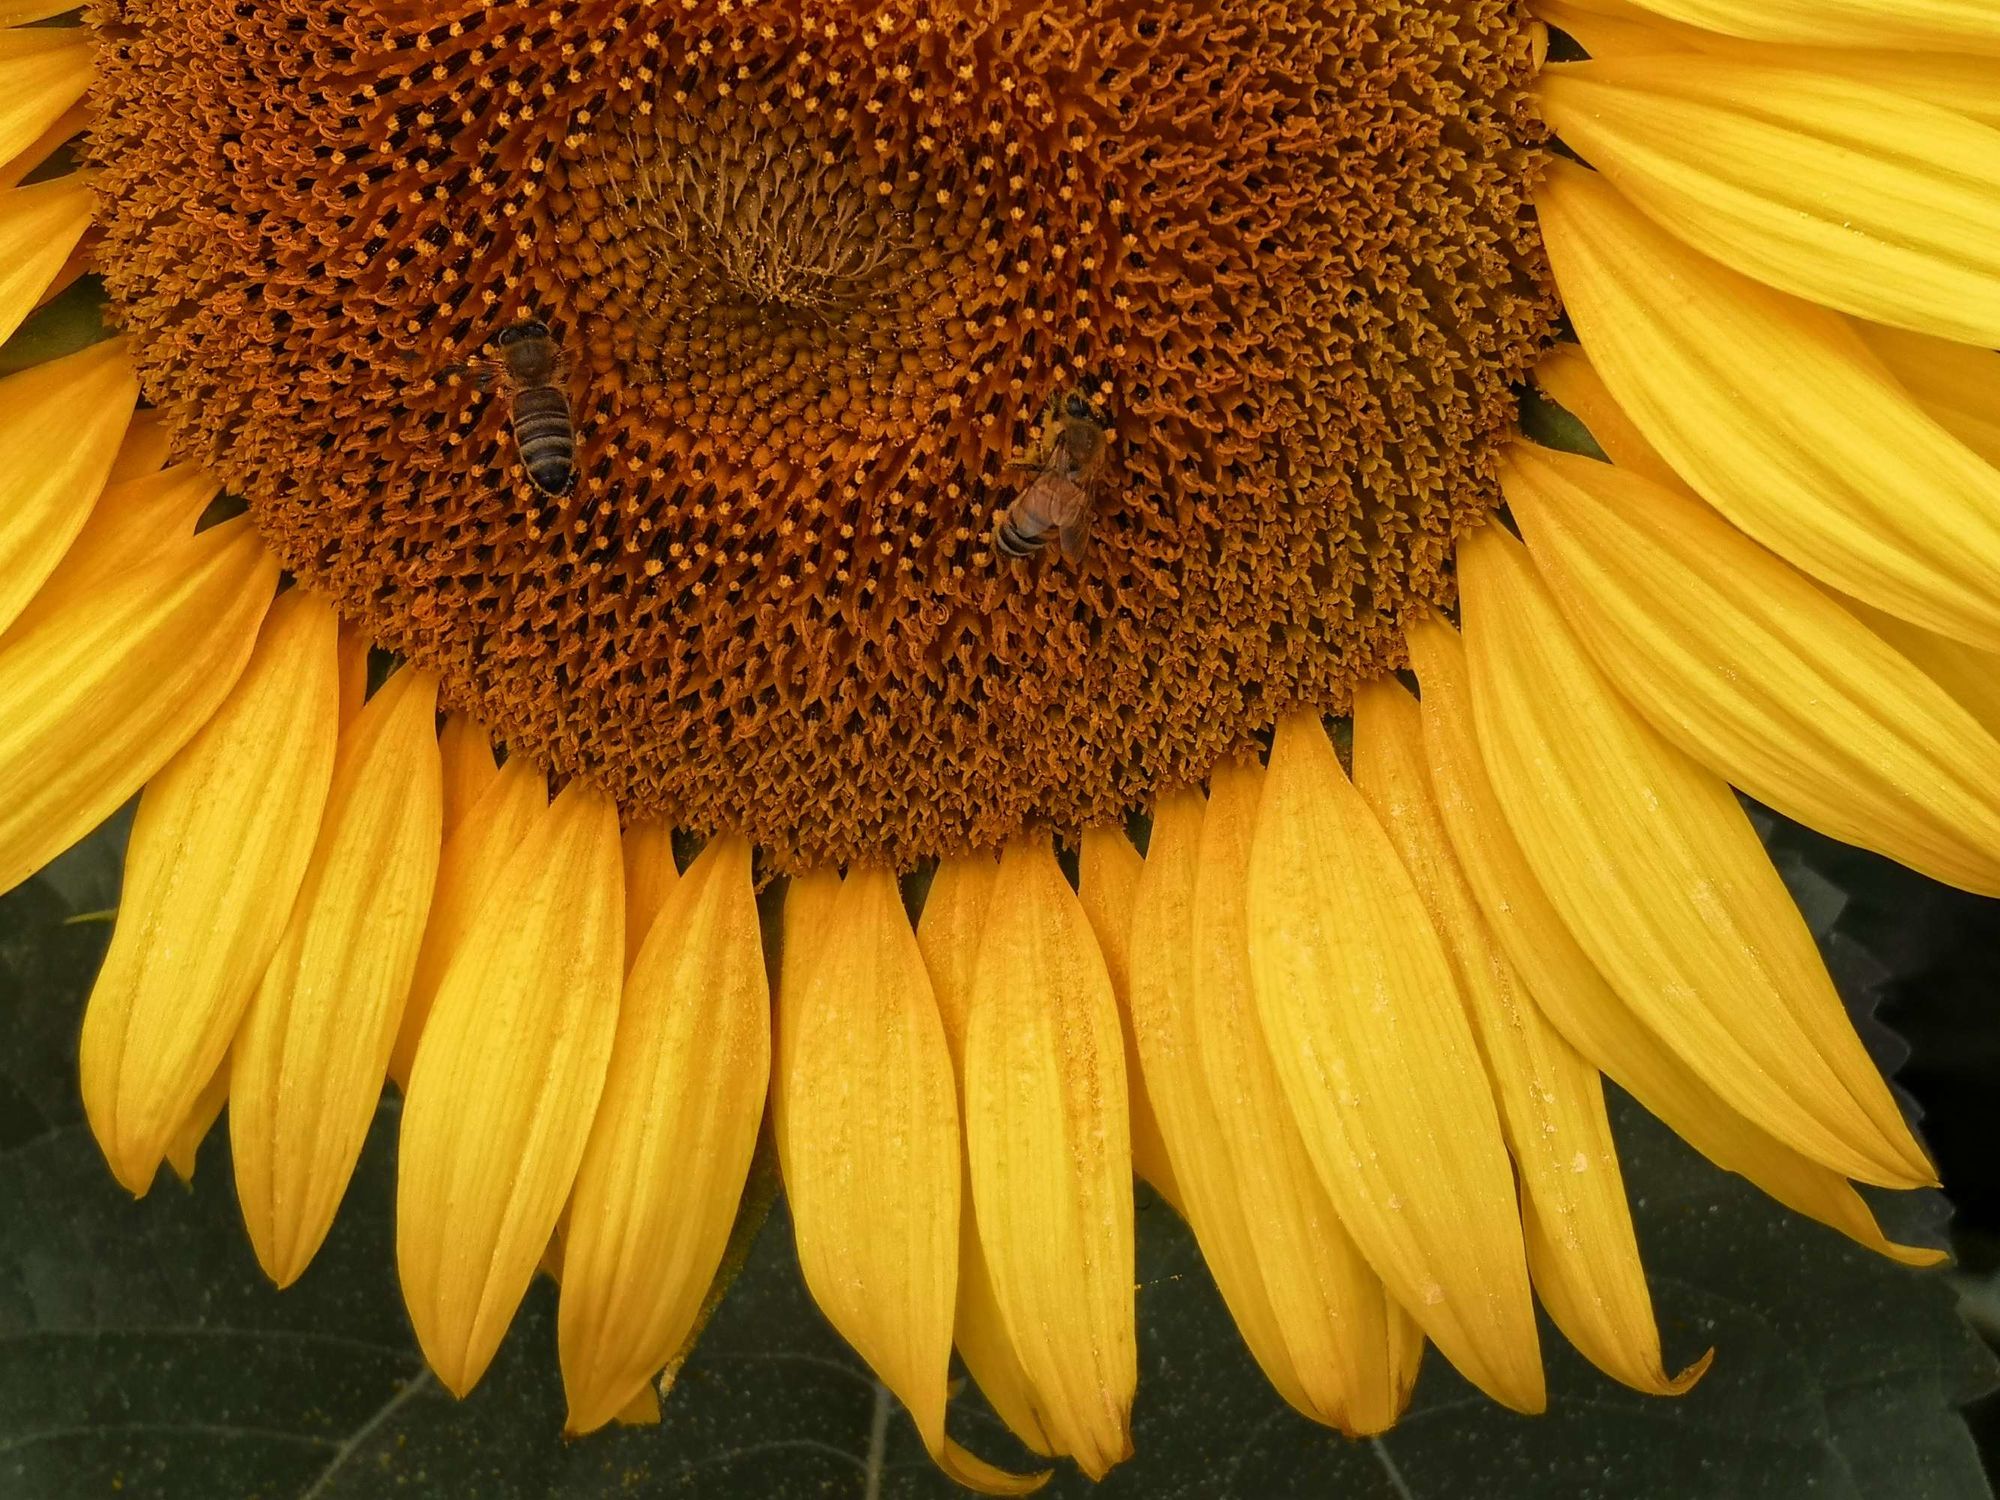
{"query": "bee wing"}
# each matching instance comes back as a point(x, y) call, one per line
point(1073, 522)
point(1043, 498)
point(1075, 540)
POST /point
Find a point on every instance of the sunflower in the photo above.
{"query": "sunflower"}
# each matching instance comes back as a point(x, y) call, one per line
point(727, 761)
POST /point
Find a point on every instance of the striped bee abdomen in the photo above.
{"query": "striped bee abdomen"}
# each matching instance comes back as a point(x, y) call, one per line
point(1016, 542)
point(545, 438)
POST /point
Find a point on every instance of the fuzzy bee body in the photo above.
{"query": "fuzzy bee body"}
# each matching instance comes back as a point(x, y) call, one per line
point(1057, 501)
point(545, 438)
point(531, 366)
point(1052, 505)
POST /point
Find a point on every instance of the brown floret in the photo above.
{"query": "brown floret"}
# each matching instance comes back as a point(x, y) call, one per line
point(817, 268)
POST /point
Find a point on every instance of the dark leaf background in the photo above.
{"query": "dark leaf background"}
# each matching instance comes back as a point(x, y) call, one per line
point(145, 1355)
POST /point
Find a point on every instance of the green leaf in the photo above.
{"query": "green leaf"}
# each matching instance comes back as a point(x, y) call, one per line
point(144, 1354)
point(68, 322)
point(1553, 427)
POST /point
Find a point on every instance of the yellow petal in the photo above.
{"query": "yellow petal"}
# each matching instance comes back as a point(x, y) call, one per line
point(1049, 1146)
point(948, 932)
point(980, 1334)
point(193, 1130)
point(145, 450)
point(1566, 985)
point(1845, 193)
point(43, 71)
point(1950, 80)
point(650, 876)
point(1107, 881)
point(306, 1070)
point(1614, 30)
point(1538, 45)
point(1970, 675)
point(99, 694)
point(20, 12)
point(643, 1410)
point(61, 424)
point(808, 907)
point(664, 1168)
point(354, 649)
point(218, 848)
point(1163, 998)
point(65, 128)
point(1315, 1316)
point(1969, 25)
point(759, 1193)
point(39, 227)
point(468, 868)
point(1354, 1347)
point(871, 1159)
point(1959, 387)
point(469, 767)
point(1582, 1253)
point(1657, 872)
point(1567, 375)
point(551, 1263)
point(134, 522)
point(948, 935)
point(1743, 663)
point(1374, 1051)
point(1773, 410)
point(506, 1082)
point(808, 904)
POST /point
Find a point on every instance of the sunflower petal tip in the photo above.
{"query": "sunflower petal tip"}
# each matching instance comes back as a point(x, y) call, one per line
point(974, 1473)
point(1110, 1450)
point(1348, 1427)
point(595, 1402)
point(136, 1171)
point(1681, 1384)
point(182, 1157)
point(1920, 1257)
point(643, 1410)
point(454, 1368)
point(280, 1261)
point(1905, 1164)
point(458, 1378)
point(138, 1187)
point(1523, 1389)
point(577, 1425)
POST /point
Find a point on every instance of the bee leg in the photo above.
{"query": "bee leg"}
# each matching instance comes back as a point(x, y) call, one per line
point(479, 377)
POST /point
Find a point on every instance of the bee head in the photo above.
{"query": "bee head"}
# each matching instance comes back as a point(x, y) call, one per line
point(527, 328)
point(1078, 409)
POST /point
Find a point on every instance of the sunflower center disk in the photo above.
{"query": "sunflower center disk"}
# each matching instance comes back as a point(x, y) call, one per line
point(817, 273)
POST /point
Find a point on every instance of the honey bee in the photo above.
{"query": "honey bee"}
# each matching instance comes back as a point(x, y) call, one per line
point(1059, 497)
point(530, 370)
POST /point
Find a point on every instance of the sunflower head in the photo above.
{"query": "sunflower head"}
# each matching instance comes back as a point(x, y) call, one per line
point(816, 274)
point(683, 395)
